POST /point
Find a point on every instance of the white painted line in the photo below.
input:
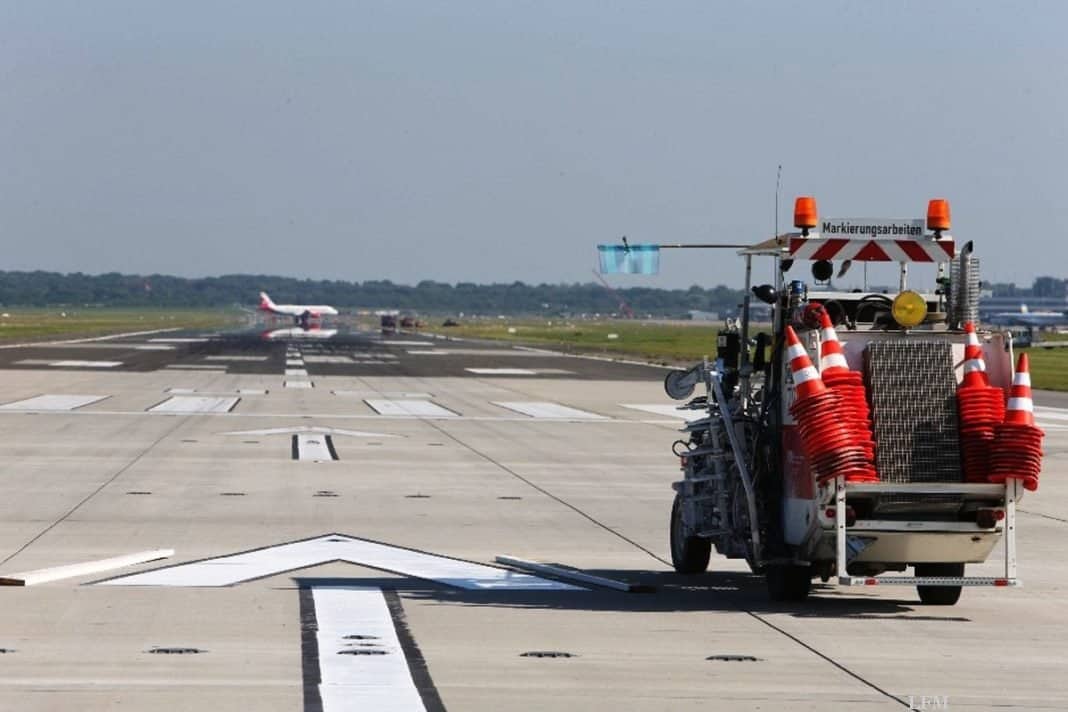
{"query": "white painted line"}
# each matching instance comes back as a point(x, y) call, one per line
point(237, 392)
point(418, 408)
point(383, 394)
point(148, 347)
point(431, 352)
point(312, 429)
point(373, 354)
point(327, 359)
point(380, 681)
point(502, 371)
point(235, 358)
point(406, 343)
point(195, 367)
point(297, 384)
point(195, 404)
point(663, 409)
point(35, 362)
point(56, 573)
point(177, 340)
point(561, 572)
point(1051, 413)
point(90, 339)
point(313, 447)
point(296, 372)
point(85, 364)
point(52, 402)
point(545, 409)
point(294, 363)
point(235, 568)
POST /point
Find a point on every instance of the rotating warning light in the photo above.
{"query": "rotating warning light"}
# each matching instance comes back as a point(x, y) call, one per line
point(805, 214)
point(909, 309)
point(938, 215)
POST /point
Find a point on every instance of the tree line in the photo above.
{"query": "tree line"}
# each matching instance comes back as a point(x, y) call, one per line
point(164, 291)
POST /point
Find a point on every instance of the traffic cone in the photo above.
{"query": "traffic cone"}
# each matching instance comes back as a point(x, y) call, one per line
point(836, 375)
point(832, 358)
point(1016, 452)
point(980, 408)
point(807, 381)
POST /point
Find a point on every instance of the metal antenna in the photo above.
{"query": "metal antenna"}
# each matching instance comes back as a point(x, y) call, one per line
point(778, 185)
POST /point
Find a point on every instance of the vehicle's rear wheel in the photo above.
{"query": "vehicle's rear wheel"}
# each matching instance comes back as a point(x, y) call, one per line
point(689, 554)
point(788, 583)
point(939, 595)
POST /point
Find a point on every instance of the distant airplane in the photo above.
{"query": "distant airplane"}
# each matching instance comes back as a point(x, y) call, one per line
point(301, 313)
point(1026, 317)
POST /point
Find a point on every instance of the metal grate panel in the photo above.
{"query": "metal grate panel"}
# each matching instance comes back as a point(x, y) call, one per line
point(914, 410)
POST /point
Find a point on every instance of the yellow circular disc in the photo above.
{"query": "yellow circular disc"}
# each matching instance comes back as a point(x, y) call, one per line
point(909, 309)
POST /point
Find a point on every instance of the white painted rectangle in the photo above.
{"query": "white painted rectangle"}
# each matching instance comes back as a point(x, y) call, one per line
point(52, 402)
point(85, 364)
point(419, 408)
point(663, 409)
point(150, 347)
point(296, 372)
point(360, 682)
point(545, 409)
point(235, 358)
point(383, 394)
point(313, 447)
point(195, 404)
point(428, 352)
point(406, 343)
point(178, 340)
point(326, 359)
point(501, 371)
point(196, 367)
point(295, 362)
point(296, 384)
point(235, 568)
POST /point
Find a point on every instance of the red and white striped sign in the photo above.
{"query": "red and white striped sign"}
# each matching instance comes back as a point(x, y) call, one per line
point(818, 248)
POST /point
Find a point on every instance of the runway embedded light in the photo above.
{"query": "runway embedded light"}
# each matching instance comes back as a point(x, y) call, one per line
point(909, 309)
point(938, 214)
point(805, 213)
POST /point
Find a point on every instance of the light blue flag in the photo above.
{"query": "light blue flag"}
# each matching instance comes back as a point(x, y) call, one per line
point(629, 259)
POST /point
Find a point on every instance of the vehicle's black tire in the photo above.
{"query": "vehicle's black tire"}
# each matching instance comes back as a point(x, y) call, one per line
point(788, 583)
point(689, 554)
point(939, 595)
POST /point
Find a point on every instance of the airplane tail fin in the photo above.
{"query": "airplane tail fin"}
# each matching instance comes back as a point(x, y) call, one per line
point(265, 301)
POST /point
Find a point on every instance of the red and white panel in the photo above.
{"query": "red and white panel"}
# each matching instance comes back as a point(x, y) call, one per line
point(817, 248)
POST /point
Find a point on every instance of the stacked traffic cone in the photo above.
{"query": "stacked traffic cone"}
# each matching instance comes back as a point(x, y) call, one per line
point(827, 439)
point(981, 409)
point(1017, 449)
point(835, 373)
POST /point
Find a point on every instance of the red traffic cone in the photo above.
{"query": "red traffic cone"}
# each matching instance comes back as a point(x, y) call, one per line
point(832, 358)
point(1020, 409)
point(807, 381)
point(974, 366)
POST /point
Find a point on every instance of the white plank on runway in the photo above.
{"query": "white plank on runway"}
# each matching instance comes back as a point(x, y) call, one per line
point(49, 401)
point(195, 404)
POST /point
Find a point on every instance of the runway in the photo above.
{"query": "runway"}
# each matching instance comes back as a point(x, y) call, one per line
point(335, 506)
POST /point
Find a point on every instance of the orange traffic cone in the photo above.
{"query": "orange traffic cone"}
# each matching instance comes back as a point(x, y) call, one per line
point(832, 358)
point(974, 365)
point(807, 381)
point(1017, 449)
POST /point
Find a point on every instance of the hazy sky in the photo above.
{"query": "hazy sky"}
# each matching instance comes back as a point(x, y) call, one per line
point(500, 141)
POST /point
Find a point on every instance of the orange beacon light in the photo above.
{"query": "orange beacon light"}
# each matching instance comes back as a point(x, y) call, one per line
point(938, 215)
point(805, 214)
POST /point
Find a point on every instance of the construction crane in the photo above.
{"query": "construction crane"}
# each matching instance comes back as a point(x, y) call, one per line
point(623, 307)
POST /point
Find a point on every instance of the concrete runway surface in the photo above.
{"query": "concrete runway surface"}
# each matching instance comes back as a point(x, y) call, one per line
point(335, 507)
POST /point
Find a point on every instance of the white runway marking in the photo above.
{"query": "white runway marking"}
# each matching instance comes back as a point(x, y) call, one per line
point(294, 362)
point(377, 355)
point(376, 681)
point(84, 364)
point(662, 409)
point(235, 568)
point(383, 394)
point(149, 347)
point(430, 352)
point(543, 409)
point(296, 372)
point(297, 384)
point(418, 408)
point(406, 343)
point(235, 358)
point(195, 404)
point(196, 367)
point(313, 447)
point(178, 340)
point(312, 429)
point(502, 371)
point(52, 402)
point(326, 359)
point(57, 573)
point(237, 392)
